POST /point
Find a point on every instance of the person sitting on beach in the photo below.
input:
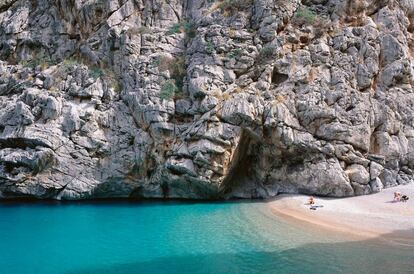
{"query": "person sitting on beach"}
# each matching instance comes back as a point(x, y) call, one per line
point(404, 198)
point(311, 200)
point(397, 196)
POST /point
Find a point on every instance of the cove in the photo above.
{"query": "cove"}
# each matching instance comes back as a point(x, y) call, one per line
point(178, 237)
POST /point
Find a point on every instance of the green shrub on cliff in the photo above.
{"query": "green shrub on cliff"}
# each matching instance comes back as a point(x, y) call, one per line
point(231, 7)
point(210, 48)
point(175, 66)
point(143, 30)
point(304, 16)
point(41, 60)
point(168, 89)
point(95, 72)
point(69, 63)
point(176, 28)
point(267, 52)
point(234, 53)
point(183, 27)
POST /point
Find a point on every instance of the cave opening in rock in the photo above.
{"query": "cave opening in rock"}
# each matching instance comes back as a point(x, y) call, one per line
point(278, 78)
point(8, 167)
point(241, 174)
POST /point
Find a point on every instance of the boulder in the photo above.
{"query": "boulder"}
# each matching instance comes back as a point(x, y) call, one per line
point(376, 185)
point(358, 174)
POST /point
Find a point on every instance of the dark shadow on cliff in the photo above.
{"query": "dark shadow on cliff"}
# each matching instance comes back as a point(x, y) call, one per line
point(242, 180)
point(390, 253)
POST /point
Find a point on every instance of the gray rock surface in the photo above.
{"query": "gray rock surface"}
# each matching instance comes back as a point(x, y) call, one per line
point(205, 99)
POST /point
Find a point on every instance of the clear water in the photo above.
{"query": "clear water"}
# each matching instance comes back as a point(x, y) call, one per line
point(155, 237)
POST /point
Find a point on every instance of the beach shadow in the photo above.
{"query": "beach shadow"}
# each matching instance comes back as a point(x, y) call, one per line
point(391, 253)
point(395, 202)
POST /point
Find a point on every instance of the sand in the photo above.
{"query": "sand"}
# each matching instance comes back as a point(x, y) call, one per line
point(369, 216)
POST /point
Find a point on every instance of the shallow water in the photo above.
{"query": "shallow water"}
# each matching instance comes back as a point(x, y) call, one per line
point(171, 237)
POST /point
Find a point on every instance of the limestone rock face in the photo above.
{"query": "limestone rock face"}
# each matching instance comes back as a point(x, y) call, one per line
point(205, 99)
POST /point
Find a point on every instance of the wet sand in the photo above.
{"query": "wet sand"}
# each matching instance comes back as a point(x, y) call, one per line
point(360, 217)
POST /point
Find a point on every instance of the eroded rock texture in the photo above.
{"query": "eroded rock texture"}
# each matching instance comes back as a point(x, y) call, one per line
point(205, 99)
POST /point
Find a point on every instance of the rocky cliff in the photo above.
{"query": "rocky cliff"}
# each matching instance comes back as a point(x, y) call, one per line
point(205, 99)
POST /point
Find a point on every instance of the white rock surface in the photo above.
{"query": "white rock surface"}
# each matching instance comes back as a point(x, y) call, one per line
point(201, 99)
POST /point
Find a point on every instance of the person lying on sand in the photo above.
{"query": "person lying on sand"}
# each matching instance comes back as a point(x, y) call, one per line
point(397, 196)
point(311, 200)
point(312, 203)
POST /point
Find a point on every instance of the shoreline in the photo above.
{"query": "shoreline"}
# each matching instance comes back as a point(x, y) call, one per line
point(355, 218)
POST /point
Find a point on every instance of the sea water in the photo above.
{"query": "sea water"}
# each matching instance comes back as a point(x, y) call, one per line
point(176, 237)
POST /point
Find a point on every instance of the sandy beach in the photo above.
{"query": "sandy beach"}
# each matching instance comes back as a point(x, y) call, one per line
point(370, 216)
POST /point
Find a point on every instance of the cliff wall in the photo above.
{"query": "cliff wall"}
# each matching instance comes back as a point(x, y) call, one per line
point(205, 99)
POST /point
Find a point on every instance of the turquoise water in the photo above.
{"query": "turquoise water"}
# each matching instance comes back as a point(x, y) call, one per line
point(170, 237)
